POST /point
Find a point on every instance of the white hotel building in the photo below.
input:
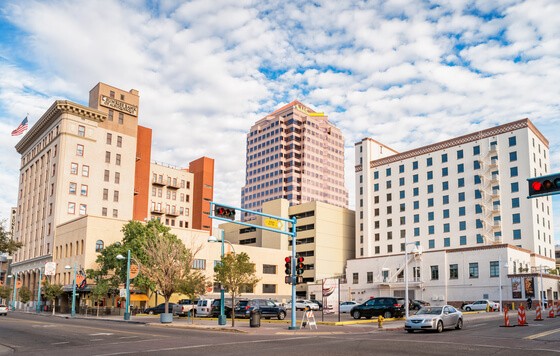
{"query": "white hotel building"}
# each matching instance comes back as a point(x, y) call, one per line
point(464, 201)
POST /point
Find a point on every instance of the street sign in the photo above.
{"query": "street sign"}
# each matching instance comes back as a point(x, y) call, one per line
point(269, 222)
point(50, 268)
point(19, 284)
point(122, 293)
point(134, 270)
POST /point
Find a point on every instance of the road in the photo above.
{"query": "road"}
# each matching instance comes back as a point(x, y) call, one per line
point(29, 334)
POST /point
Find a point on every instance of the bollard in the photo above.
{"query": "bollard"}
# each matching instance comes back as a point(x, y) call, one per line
point(380, 322)
point(512, 305)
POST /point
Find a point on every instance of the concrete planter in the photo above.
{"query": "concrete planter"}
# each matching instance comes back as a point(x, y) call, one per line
point(166, 318)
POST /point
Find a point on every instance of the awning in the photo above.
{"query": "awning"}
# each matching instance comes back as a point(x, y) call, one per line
point(139, 298)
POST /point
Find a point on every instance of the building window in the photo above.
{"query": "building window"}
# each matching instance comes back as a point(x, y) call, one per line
point(269, 288)
point(370, 277)
point(401, 168)
point(446, 242)
point(71, 208)
point(445, 199)
point(354, 278)
point(107, 157)
point(476, 150)
point(460, 168)
point(494, 269)
point(430, 202)
point(515, 202)
point(83, 209)
point(72, 189)
point(473, 270)
point(517, 234)
point(415, 165)
point(116, 196)
point(462, 225)
point(444, 171)
point(443, 157)
point(516, 218)
point(80, 150)
point(99, 245)
point(430, 175)
point(415, 178)
point(85, 171)
point(461, 182)
point(109, 139)
point(115, 213)
point(388, 172)
point(462, 211)
point(121, 118)
point(199, 263)
point(73, 168)
point(84, 190)
point(459, 154)
point(461, 196)
point(105, 194)
point(445, 185)
point(513, 172)
point(434, 272)
point(462, 240)
point(269, 269)
point(110, 115)
point(513, 156)
point(119, 141)
point(81, 130)
point(514, 187)
point(117, 177)
point(512, 141)
point(431, 243)
point(103, 211)
point(454, 271)
point(446, 227)
point(446, 213)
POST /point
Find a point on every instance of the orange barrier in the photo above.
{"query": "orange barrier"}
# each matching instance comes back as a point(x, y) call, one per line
point(506, 319)
point(539, 313)
point(521, 319)
point(552, 311)
point(557, 308)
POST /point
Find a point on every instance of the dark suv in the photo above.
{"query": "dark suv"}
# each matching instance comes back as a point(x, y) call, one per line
point(215, 311)
point(267, 308)
point(388, 307)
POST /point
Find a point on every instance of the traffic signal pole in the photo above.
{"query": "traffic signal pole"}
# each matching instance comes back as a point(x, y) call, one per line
point(294, 280)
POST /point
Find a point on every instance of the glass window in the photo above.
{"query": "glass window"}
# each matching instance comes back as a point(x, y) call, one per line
point(517, 234)
point(445, 199)
point(415, 178)
point(430, 216)
point(416, 204)
point(513, 156)
point(99, 245)
point(513, 172)
point(79, 150)
point(119, 141)
point(479, 239)
point(516, 218)
point(512, 141)
point(121, 118)
point(477, 194)
point(454, 271)
point(459, 154)
point(434, 272)
point(476, 150)
point(109, 138)
point(460, 168)
point(72, 189)
point(73, 168)
point(376, 175)
point(446, 227)
point(473, 270)
point(431, 243)
point(416, 231)
point(415, 165)
point(461, 196)
point(430, 202)
point(462, 240)
point(71, 208)
point(462, 225)
point(476, 165)
point(462, 211)
point(416, 218)
point(388, 172)
point(444, 185)
point(415, 191)
point(81, 130)
point(477, 179)
point(84, 190)
point(514, 187)
point(494, 269)
point(430, 175)
point(401, 194)
point(515, 202)
point(429, 161)
point(443, 157)
point(430, 188)
point(461, 182)
point(401, 168)
point(376, 187)
point(444, 171)
point(85, 171)
point(83, 209)
point(401, 181)
point(446, 213)
point(431, 229)
point(478, 209)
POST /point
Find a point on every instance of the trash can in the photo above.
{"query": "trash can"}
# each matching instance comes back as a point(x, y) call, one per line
point(255, 318)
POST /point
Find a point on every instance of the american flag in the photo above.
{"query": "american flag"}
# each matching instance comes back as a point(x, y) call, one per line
point(21, 128)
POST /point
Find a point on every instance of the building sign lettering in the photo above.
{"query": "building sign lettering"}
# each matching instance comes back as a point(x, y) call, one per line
point(119, 105)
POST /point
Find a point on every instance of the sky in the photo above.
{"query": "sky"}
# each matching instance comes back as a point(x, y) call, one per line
point(407, 73)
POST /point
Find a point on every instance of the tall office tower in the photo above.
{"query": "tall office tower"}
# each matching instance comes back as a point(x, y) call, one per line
point(468, 191)
point(294, 153)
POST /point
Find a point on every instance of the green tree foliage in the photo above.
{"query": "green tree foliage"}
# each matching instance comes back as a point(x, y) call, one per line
point(99, 291)
point(5, 292)
point(24, 294)
point(52, 292)
point(6, 243)
point(233, 272)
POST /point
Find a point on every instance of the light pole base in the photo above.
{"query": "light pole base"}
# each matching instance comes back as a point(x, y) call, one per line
point(126, 316)
point(293, 327)
point(222, 320)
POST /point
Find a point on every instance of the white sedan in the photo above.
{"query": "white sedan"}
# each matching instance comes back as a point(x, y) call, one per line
point(303, 304)
point(482, 305)
point(3, 309)
point(345, 307)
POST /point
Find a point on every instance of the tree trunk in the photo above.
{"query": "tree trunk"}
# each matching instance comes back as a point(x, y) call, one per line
point(53, 306)
point(232, 310)
point(98, 309)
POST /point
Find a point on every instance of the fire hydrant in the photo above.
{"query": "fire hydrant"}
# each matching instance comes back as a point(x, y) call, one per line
point(380, 321)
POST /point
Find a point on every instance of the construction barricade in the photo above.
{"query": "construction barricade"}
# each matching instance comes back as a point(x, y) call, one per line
point(539, 313)
point(506, 319)
point(521, 317)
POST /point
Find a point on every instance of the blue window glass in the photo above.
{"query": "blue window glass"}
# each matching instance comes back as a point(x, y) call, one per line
point(462, 225)
point(415, 165)
point(416, 204)
point(476, 165)
point(401, 181)
point(376, 175)
point(462, 211)
point(444, 171)
point(461, 196)
point(514, 187)
point(517, 234)
point(401, 168)
point(477, 194)
point(445, 199)
point(515, 202)
point(459, 154)
point(431, 243)
point(479, 239)
point(498, 234)
point(444, 185)
point(388, 183)
point(416, 218)
point(443, 157)
point(388, 172)
point(513, 156)
point(415, 178)
point(431, 229)
point(513, 172)
point(462, 240)
point(446, 242)
point(376, 187)
point(415, 191)
point(460, 168)
point(446, 213)
point(479, 224)
point(430, 202)
point(429, 161)
point(401, 194)
point(516, 218)
point(430, 215)
point(477, 179)
point(430, 175)
point(476, 150)
point(512, 141)
point(461, 182)
point(416, 231)
point(478, 209)
point(446, 227)
point(430, 188)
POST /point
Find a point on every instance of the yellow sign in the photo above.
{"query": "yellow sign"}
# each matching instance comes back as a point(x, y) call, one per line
point(272, 223)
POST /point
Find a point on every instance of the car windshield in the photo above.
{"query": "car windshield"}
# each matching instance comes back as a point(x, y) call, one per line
point(242, 303)
point(432, 310)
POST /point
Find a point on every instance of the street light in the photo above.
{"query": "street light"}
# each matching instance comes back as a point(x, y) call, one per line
point(500, 275)
point(222, 317)
point(127, 307)
point(415, 250)
point(39, 291)
point(13, 301)
point(73, 312)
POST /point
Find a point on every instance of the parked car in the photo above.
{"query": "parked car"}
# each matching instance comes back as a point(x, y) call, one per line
point(416, 304)
point(482, 305)
point(267, 308)
point(160, 308)
point(303, 304)
point(184, 306)
point(387, 307)
point(215, 311)
point(320, 304)
point(435, 318)
point(345, 307)
point(204, 307)
point(3, 309)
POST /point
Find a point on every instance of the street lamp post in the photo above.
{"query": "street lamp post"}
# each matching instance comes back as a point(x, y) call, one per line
point(73, 312)
point(127, 306)
point(39, 291)
point(222, 317)
point(414, 250)
point(505, 266)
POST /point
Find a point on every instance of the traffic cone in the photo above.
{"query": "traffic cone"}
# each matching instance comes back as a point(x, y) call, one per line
point(506, 319)
point(539, 313)
point(521, 319)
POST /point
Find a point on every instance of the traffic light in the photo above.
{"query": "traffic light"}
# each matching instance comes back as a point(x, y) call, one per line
point(300, 266)
point(223, 212)
point(288, 271)
point(545, 185)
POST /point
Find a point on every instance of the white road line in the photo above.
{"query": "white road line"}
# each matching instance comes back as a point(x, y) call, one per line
point(96, 340)
point(128, 337)
point(60, 343)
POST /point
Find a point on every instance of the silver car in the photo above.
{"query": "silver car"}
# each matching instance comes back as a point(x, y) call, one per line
point(435, 318)
point(3, 309)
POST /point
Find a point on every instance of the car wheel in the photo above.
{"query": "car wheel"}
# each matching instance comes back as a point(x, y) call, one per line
point(387, 315)
point(439, 326)
point(459, 324)
point(151, 312)
point(356, 315)
point(281, 315)
point(468, 308)
point(410, 331)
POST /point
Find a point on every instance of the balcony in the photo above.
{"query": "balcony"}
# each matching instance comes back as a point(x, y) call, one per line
point(158, 182)
point(172, 213)
point(172, 185)
point(156, 211)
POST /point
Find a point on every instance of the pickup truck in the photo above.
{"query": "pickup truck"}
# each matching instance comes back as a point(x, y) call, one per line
point(184, 306)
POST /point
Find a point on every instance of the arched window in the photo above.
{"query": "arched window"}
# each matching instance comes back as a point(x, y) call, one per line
point(99, 246)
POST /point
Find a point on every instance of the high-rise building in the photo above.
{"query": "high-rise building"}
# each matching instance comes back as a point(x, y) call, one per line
point(294, 153)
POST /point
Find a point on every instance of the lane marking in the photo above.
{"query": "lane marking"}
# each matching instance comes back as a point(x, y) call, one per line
point(128, 337)
point(101, 334)
point(544, 333)
point(60, 343)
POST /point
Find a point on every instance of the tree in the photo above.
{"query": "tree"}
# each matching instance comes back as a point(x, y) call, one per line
point(24, 294)
point(6, 243)
point(193, 285)
point(99, 291)
point(52, 292)
point(233, 272)
point(5, 292)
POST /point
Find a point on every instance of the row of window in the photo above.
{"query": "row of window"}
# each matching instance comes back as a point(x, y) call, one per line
point(170, 194)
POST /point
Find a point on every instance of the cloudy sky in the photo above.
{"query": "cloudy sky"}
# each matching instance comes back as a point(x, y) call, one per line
point(405, 72)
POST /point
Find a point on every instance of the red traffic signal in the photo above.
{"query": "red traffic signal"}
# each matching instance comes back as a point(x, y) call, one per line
point(223, 212)
point(288, 266)
point(545, 185)
point(300, 266)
